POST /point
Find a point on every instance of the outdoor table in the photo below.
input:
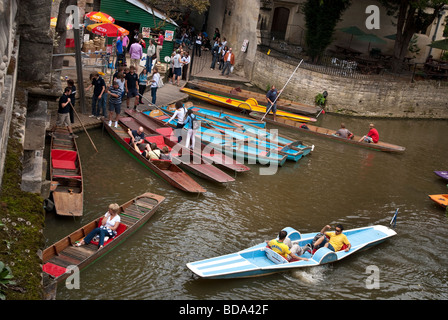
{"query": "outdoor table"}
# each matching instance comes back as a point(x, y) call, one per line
point(348, 51)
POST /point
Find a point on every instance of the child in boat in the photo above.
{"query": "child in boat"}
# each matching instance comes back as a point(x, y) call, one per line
point(152, 152)
point(165, 155)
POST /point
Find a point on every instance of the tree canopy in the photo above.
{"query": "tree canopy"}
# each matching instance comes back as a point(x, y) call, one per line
point(321, 18)
point(412, 16)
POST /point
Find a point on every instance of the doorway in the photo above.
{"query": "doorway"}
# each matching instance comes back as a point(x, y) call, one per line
point(280, 23)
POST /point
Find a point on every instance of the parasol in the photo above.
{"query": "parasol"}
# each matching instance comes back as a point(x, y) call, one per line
point(370, 38)
point(100, 17)
point(107, 30)
point(440, 44)
point(54, 21)
point(353, 31)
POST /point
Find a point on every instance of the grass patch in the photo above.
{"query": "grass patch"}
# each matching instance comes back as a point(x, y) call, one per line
point(22, 221)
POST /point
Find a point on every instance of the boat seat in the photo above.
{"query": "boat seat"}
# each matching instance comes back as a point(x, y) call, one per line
point(163, 117)
point(121, 228)
point(53, 270)
point(274, 256)
point(167, 132)
point(64, 159)
point(159, 140)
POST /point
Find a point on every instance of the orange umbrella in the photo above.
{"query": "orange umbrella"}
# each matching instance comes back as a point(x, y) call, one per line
point(100, 17)
point(107, 30)
point(54, 21)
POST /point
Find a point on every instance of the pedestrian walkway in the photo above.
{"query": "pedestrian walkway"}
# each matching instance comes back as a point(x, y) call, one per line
point(168, 94)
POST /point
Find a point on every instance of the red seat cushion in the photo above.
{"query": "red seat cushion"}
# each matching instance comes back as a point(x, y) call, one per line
point(165, 131)
point(53, 269)
point(63, 159)
point(158, 140)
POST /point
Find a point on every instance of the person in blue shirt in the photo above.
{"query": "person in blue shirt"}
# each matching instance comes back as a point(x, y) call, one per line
point(271, 97)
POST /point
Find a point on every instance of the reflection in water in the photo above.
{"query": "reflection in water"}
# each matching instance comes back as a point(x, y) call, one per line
point(337, 184)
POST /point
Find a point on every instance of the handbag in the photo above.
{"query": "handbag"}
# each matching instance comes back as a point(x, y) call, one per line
point(160, 84)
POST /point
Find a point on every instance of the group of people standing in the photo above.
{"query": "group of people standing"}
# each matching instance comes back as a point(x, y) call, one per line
point(222, 55)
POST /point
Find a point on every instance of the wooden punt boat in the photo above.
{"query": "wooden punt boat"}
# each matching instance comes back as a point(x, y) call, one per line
point(205, 112)
point(66, 187)
point(60, 257)
point(238, 93)
point(163, 168)
point(238, 146)
point(330, 134)
point(181, 156)
point(440, 199)
point(294, 149)
point(442, 174)
point(260, 260)
point(248, 105)
point(220, 160)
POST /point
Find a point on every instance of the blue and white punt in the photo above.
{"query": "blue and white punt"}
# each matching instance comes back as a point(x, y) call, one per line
point(259, 260)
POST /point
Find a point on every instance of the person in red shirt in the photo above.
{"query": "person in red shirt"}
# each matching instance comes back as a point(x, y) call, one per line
point(372, 136)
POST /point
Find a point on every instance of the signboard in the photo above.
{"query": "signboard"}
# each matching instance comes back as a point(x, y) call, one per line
point(146, 32)
point(169, 35)
point(245, 44)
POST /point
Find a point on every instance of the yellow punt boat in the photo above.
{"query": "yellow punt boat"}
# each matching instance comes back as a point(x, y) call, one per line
point(249, 105)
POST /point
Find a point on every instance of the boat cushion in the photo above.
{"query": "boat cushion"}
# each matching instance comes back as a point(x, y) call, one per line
point(274, 256)
point(163, 117)
point(165, 131)
point(53, 269)
point(64, 159)
point(121, 228)
point(158, 140)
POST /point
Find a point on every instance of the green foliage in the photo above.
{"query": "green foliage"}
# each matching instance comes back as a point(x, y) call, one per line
point(5, 279)
point(320, 100)
point(321, 18)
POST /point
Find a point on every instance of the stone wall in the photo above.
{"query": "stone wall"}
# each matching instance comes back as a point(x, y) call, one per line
point(36, 43)
point(8, 72)
point(373, 98)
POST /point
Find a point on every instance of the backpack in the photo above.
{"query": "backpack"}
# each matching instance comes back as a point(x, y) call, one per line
point(195, 124)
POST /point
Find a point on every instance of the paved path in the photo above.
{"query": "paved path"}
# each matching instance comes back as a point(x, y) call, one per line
point(166, 95)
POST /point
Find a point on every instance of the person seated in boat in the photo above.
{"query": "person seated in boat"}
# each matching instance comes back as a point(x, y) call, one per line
point(271, 98)
point(372, 136)
point(165, 155)
point(138, 139)
point(109, 225)
point(336, 239)
point(152, 152)
point(343, 132)
point(278, 246)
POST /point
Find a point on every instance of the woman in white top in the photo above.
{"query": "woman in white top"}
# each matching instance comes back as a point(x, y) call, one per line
point(109, 226)
point(155, 84)
point(180, 114)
